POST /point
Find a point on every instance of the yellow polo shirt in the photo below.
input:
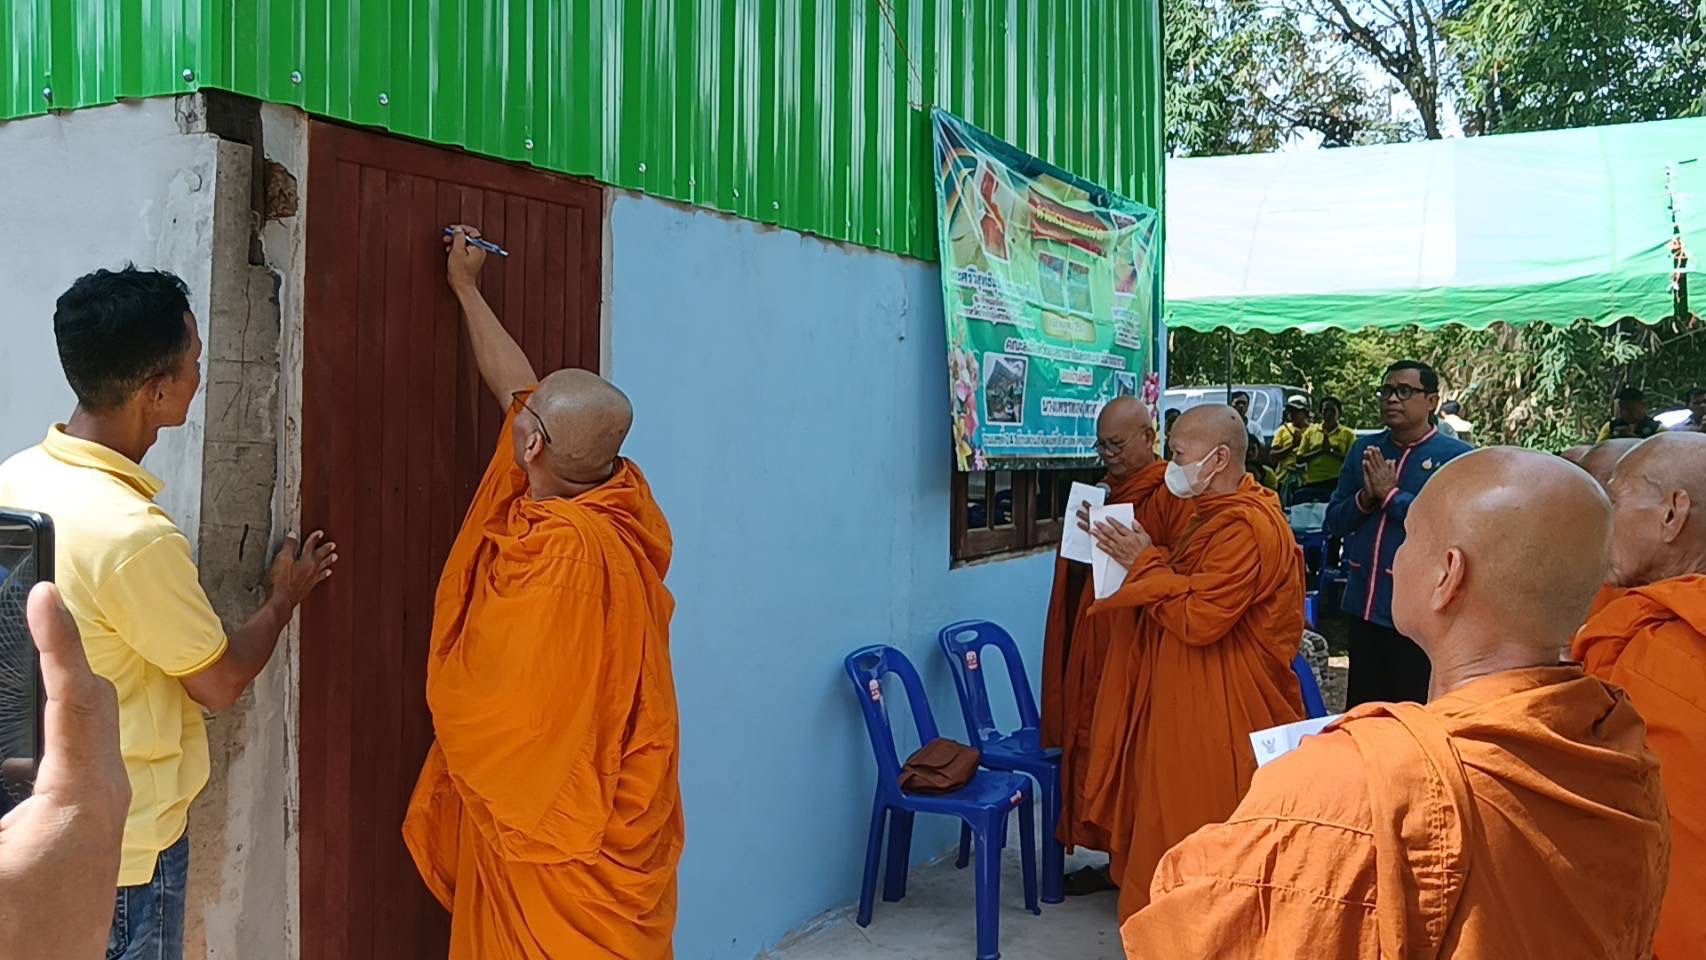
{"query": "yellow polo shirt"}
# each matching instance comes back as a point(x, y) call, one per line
point(126, 574)
point(1326, 467)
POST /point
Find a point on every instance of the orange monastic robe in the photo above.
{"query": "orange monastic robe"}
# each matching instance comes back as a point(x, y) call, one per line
point(1517, 817)
point(1210, 661)
point(1075, 646)
point(548, 817)
point(1603, 598)
point(1652, 643)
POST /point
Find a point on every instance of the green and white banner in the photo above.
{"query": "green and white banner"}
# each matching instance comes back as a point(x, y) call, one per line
point(1051, 291)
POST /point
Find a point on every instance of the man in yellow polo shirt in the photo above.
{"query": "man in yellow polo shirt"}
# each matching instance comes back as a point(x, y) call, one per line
point(129, 348)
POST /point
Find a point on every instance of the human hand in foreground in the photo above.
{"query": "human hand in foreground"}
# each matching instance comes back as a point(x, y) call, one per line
point(1379, 476)
point(60, 849)
point(1121, 542)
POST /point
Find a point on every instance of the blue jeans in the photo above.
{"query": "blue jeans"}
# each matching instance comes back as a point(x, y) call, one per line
point(148, 919)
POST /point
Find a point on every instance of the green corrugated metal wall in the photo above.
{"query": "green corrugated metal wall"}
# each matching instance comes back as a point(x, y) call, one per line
point(811, 114)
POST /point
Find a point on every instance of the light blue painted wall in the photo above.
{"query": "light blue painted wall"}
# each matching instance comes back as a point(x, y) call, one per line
point(791, 412)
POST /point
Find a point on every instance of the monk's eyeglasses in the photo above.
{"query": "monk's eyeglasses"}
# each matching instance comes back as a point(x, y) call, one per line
point(1113, 447)
point(520, 396)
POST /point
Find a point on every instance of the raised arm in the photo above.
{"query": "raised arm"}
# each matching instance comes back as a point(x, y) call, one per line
point(503, 365)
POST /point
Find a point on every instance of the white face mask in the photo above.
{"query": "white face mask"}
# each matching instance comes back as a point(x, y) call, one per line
point(1186, 482)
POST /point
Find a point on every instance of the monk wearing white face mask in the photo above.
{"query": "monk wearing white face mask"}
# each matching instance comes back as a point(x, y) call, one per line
point(1210, 661)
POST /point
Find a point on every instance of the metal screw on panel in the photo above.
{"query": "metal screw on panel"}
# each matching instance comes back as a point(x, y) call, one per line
point(47, 94)
point(775, 205)
point(189, 75)
point(296, 76)
point(642, 168)
point(528, 143)
point(692, 182)
point(737, 194)
point(385, 99)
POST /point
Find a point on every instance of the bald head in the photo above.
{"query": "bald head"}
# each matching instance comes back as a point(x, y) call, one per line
point(1602, 457)
point(1504, 550)
point(1656, 487)
point(1214, 436)
point(585, 420)
point(1124, 413)
point(1125, 437)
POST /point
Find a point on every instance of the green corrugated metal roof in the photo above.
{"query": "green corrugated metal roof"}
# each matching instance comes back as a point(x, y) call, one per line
point(810, 114)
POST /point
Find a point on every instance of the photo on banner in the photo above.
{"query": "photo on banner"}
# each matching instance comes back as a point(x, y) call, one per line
point(1051, 292)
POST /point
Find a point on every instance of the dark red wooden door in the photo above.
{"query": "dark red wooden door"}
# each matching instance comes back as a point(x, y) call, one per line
point(396, 430)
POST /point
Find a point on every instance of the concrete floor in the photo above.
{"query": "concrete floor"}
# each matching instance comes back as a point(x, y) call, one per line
point(936, 922)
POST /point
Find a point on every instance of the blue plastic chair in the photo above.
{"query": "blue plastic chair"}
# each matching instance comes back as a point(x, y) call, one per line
point(1313, 705)
point(1020, 751)
point(983, 804)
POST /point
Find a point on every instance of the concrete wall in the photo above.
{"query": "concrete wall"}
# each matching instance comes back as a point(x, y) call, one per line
point(791, 412)
point(147, 182)
point(243, 881)
point(90, 189)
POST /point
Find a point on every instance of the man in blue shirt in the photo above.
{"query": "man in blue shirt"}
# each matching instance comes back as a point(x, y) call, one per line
point(1382, 474)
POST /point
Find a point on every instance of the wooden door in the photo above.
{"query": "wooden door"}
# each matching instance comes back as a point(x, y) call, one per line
point(396, 431)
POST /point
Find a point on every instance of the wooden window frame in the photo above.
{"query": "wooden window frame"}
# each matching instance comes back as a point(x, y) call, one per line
point(1028, 531)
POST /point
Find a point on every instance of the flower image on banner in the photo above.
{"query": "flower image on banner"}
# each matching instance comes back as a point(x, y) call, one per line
point(1051, 292)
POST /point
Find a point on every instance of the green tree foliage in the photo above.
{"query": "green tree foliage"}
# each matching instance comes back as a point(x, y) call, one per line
point(1539, 386)
point(1244, 77)
point(1405, 39)
point(1550, 64)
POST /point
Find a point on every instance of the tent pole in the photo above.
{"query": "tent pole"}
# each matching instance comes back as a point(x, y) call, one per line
point(1680, 256)
point(1229, 376)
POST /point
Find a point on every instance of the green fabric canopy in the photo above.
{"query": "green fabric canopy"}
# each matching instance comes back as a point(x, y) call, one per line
point(1519, 228)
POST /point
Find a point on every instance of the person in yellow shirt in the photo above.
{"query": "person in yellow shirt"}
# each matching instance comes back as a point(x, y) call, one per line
point(1322, 452)
point(130, 350)
point(1289, 435)
point(1631, 420)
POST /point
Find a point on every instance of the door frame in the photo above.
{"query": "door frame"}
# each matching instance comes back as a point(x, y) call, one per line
point(328, 334)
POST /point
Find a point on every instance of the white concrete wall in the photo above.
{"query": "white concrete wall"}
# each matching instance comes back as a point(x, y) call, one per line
point(144, 182)
point(89, 189)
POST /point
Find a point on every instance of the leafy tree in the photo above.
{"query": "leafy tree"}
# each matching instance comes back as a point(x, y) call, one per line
point(1550, 64)
point(1405, 39)
point(1246, 77)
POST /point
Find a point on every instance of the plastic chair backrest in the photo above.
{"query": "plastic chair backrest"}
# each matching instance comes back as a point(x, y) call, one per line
point(1313, 705)
point(867, 667)
point(964, 643)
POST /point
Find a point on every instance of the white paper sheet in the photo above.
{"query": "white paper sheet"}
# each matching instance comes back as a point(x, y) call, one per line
point(1075, 543)
point(1106, 573)
point(1278, 741)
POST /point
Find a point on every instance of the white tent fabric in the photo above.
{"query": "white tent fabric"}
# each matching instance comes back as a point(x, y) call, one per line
point(1540, 227)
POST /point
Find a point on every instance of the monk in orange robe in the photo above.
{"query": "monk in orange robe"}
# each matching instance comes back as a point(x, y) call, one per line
point(1075, 644)
point(1651, 642)
point(1210, 658)
point(1599, 460)
point(1518, 814)
point(548, 815)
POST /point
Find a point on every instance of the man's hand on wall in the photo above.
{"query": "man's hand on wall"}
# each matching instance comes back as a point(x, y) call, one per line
point(297, 570)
